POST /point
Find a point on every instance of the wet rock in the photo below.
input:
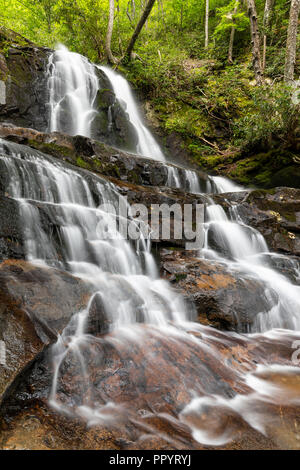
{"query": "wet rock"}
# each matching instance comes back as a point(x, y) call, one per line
point(285, 201)
point(105, 98)
point(11, 236)
point(112, 124)
point(23, 71)
point(36, 303)
point(289, 266)
point(223, 299)
point(141, 384)
point(12, 244)
point(95, 156)
point(275, 213)
point(97, 321)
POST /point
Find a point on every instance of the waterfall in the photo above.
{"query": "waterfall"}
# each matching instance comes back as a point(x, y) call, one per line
point(188, 180)
point(92, 248)
point(147, 145)
point(123, 275)
point(73, 86)
point(244, 250)
point(224, 185)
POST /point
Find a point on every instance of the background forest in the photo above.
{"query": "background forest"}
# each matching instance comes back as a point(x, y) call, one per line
point(218, 77)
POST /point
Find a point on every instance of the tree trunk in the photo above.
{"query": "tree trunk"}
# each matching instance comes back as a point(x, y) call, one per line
point(290, 55)
point(206, 22)
point(110, 27)
point(255, 41)
point(138, 28)
point(231, 40)
point(131, 16)
point(267, 14)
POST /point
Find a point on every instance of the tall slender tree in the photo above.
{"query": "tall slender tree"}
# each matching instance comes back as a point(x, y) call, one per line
point(206, 22)
point(290, 56)
point(269, 4)
point(255, 41)
point(232, 33)
point(138, 29)
point(110, 28)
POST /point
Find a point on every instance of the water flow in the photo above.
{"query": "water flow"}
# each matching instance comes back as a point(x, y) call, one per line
point(147, 145)
point(91, 245)
point(73, 87)
point(224, 185)
point(245, 252)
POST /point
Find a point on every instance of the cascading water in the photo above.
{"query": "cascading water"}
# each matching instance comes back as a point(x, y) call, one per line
point(126, 286)
point(92, 247)
point(224, 185)
point(243, 249)
point(147, 145)
point(73, 86)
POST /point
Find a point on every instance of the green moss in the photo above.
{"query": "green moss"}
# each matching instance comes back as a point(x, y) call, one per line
point(53, 149)
point(133, 177)
point(82, 163)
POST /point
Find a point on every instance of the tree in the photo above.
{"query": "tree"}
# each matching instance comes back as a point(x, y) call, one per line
point(110, 27)
point(255, 41)
point(290, 57)
point(267, 15)
point(232, 32)
point(232, 18)
point(139, 28)
point(131, 15)
point(44, 6)
point(206, 22)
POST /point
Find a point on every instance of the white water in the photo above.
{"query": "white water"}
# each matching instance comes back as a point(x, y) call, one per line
point(73, 87)
point(224, 185)
point(147, 145)
point(92, 246)
point(243, 249)
point(124, 277)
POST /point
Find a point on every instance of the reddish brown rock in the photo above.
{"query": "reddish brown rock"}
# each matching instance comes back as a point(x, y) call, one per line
point(145, 384)
point(222, 298)
point(36, 303)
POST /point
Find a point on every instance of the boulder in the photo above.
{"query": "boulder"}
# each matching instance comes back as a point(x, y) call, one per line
point(36, 303)
point(224, 299)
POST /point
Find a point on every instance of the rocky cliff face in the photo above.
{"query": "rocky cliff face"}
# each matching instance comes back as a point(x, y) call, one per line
point(23, 82)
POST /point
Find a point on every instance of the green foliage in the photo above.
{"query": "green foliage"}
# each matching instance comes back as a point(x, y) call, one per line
point(213, 107)
point(229, 18)
point(271, 117)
